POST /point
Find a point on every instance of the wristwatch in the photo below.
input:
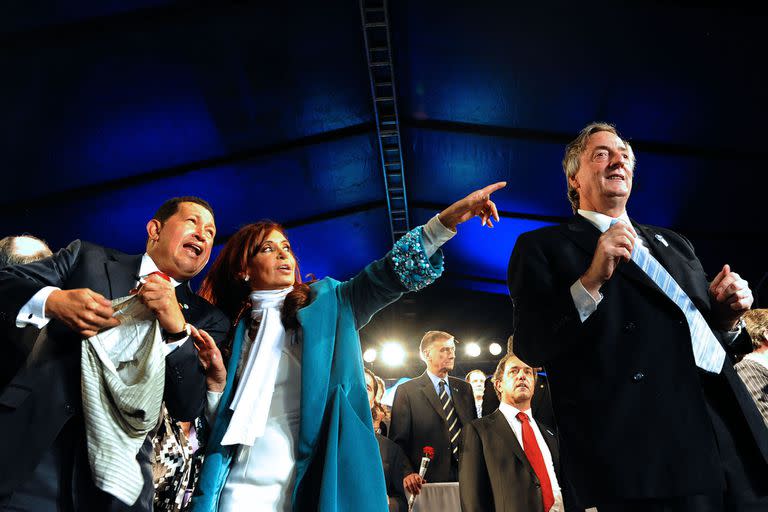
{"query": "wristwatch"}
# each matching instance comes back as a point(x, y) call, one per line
point(176, 336)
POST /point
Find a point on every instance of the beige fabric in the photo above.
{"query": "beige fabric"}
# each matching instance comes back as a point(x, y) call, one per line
point(123, 376)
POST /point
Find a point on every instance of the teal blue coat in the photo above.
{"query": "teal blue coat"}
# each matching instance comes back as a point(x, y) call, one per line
point(338, 467)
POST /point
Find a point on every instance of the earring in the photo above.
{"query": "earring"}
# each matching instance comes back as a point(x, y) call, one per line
point(246, 278)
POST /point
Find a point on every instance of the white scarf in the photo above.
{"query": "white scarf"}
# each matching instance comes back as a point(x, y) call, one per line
point(253, 396)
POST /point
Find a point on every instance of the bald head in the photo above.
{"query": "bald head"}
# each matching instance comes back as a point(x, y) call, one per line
point(18, 250)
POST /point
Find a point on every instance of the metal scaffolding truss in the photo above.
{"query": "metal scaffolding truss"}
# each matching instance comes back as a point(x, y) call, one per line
point(375, 21)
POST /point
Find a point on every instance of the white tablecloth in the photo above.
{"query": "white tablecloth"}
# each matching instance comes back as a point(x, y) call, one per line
point(439, 497)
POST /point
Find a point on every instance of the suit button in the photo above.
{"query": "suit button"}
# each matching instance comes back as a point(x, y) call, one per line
point(69, 408)
point(629, 326)
point(637, 377)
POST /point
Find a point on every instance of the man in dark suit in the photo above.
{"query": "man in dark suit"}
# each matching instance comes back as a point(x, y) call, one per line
point(17, 250)
point(650, 416)
point(502, 468)
point(431, 410)
point(45, 462)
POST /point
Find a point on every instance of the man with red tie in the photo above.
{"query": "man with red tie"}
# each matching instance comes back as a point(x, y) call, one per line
point(509, 462)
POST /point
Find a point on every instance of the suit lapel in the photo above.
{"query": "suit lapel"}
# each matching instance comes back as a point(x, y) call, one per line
point(502, 428)
point(674, 263)
point(585, 235)
point(459, 402)
point(189, 308)
point(551, 439)
point(429, 392)
point(122, 273)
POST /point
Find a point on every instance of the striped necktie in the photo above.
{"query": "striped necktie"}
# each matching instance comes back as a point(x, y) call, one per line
point(708, 354)
point(454, 425)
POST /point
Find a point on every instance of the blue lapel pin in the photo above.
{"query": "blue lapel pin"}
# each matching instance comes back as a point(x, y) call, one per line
point(661, 239)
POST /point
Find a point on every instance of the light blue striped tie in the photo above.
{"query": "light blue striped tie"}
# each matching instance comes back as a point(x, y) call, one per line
point(707, 351)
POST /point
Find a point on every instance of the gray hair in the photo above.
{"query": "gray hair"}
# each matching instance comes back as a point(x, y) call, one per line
point(13, 253)
point(576, 147)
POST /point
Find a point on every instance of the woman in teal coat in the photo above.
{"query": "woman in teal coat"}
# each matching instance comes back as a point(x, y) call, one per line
point(292, 429)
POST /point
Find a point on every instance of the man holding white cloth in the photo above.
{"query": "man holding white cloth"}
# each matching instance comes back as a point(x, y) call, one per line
point(41, 414)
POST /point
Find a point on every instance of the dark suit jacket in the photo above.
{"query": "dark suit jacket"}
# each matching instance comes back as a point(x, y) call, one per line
point(494, 472)
point(418, 420)
point(39, 400)
point(629, 401)
point(395, 464)
point(541, 403)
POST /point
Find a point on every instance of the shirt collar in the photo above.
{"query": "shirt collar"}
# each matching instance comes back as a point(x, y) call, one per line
point(436, 380)
point(601, 221)
point(510, 412)
point(148, 266)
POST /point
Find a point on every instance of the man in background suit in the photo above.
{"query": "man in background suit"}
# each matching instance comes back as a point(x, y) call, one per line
point(18, 250)
point(753, 368)
point(45, 462)
point(431, 410)
point(608, 307)
point(503, 468)
point(476, 379)
point(541, 403)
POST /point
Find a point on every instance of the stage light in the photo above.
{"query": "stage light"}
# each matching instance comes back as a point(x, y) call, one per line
point(369, 355)
point(392, 353)
point(473, 349)
point(494, 349)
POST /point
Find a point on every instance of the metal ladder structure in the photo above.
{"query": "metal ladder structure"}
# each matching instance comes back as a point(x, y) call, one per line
point(375, 20)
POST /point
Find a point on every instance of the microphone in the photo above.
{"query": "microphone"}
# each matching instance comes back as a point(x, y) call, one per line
point(429, 452)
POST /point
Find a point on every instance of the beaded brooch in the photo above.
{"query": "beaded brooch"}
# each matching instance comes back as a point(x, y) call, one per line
point(411, 264)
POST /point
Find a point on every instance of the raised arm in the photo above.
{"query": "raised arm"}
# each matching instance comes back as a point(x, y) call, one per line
point(415, 261)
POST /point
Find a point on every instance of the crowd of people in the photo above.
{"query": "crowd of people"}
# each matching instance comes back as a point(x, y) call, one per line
point(122, 390)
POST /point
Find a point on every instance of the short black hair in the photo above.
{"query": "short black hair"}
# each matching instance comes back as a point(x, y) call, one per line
point(171, 206)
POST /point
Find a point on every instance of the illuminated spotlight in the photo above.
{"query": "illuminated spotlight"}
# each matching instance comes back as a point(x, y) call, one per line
point(392, 353)
point(369, 355)
point(494, 349)
point(473, 349)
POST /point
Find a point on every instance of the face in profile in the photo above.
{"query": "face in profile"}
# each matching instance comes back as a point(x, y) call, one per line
point(517, 383)
point(369, 387)
point(274, 266)
point(441, 356)
point(182, 244)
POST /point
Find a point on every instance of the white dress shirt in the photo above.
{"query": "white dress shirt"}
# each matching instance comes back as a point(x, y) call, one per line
point(510, 413)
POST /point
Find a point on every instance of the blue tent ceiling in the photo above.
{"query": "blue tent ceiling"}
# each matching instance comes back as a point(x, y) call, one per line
point(109, 107)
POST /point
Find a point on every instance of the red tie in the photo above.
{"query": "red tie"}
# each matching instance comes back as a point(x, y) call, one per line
point(532, 451)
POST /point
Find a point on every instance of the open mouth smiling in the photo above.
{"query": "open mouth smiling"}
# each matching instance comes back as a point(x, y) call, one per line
point(194, 248)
